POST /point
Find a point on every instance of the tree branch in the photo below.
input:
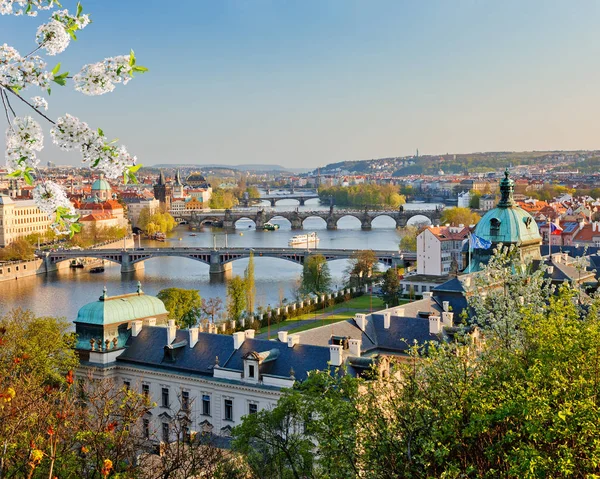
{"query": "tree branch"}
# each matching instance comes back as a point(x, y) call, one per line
point(27, 103)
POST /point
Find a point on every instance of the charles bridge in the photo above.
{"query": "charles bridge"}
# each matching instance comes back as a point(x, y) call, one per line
point(228, 218)
point(219, 259)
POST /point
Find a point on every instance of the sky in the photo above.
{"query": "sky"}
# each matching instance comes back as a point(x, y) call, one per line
point(303, 83)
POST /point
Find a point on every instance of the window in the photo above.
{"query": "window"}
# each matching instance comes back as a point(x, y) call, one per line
point(251, 370)
point(185, 431)
point(165, 432)
point(127, 384)
point(185, 400)
point(252, 408)
point(494, 227)
point(206, 405)
point(146, 425)
point(228, 409)
point(165, 397)
point(146, 390)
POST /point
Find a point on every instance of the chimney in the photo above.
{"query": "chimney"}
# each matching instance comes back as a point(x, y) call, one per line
point(434, 325)
point(399, 312)
point(386, 320)
point(446, 305)
point(361, 321)
point(550, 269)
point(282, 335)
point(335, 354)
point(171, 331)
point(354, 347)
point(427, 295)
point(249, 333)
point(151, 321)
point(238, 339)
point(193, 332)
point(447, 319)
point(136, 327)
point(292, 340)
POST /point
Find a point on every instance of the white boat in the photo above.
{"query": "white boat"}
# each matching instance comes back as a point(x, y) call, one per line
point(304, 240)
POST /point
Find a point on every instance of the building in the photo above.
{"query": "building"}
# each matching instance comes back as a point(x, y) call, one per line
point(438, 247)
point(20, 218)
point(507, 224)
point(487, 202)
point(136, 201)
point(464, 200)
point(163, 192)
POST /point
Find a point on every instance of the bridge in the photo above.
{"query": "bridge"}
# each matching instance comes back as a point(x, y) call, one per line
point(301, 197)
point(218, 259)
point(228, 218)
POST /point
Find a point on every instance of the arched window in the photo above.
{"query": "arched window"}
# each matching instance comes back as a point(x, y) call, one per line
point(494, 227)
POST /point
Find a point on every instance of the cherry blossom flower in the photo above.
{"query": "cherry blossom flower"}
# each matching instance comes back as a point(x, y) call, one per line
point(100, 78)
point(19, 72)
point(27, 7)
point(40, 103)
point(53, 37)
point(23, 138)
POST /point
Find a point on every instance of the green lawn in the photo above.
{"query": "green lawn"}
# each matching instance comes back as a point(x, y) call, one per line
point(347, 310)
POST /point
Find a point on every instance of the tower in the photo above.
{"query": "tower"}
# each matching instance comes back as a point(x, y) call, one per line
point(178, 186)
point(162, 191)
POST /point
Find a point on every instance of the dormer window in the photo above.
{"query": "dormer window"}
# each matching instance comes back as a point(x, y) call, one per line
point(494, 227)
point(251, 370)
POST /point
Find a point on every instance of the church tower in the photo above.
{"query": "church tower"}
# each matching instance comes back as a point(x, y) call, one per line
point(162, 192)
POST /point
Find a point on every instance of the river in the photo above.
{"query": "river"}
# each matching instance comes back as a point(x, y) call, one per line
point(64, 292)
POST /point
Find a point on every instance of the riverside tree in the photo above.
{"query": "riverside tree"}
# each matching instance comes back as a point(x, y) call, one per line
point(250, 284)
point(459, 216)
point(362, 264)
point(236, 297)
point(183, 305)
point(316, 277)
point(391, 287)
point(25, 138)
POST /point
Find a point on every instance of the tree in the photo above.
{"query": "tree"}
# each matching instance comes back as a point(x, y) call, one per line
point(184, 305)
point(158, 222)
point(408, 242)
point(211, 308)
point(316, 277)
point(250, 284)
point(18, 250)
point(236, 297)
point(362, 264)
point(24, 137)
point(474, 201)
point(459, 216)
point(391, 287)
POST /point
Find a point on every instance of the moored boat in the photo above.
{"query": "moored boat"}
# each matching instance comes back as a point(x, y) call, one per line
point(304, 240)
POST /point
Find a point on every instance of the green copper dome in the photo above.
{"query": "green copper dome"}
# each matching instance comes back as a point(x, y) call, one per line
point(101, 185)
point(118, 309)
point(508, 223)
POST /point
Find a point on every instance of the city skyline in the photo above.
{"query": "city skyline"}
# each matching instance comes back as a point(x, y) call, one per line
point(306, 84)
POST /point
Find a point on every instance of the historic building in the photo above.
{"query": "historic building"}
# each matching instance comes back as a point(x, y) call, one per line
point(439, 248)
point(20, 218)
point(101, 209)
point(163, 191)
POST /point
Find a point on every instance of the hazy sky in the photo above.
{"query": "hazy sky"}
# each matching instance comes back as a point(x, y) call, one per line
point(302, 83)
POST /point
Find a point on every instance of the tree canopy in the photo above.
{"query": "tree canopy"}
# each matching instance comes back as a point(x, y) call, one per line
point(459, 216)
point(183, 305)
point(316, 277)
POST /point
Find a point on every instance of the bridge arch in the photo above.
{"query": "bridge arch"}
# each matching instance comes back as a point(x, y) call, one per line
point(111, 258)
point(244, 222)
point(281, 220)
point(315, 222)
point(352, 224)
point(418, 219)
point(384, 221)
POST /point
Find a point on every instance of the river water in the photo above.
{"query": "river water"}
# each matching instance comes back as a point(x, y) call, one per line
point(63, 293)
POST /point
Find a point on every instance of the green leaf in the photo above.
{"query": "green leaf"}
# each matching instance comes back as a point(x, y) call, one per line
point(133, 179)
point(125, 178)
point(100, 132)
point(79, 9)
point(49, 91)
point(72, 35)
point(135, 168)
point(56, 69)
point(28, 178)
point(131, 58)
point(139, 69)
point(96, 163)
point(15, 174)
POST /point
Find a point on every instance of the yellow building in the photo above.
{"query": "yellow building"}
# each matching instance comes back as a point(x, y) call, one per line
point(20, 218)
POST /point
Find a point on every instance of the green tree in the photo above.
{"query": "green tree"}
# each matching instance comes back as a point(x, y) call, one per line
point(18, 250)
point(408, 242)
point(391, 287)
point(361, 266)
point(236, 297)
point(474, 201)
point(184, 305)
point(158, 222)
point(316, 277)
point(250, 284)
point(459, 216)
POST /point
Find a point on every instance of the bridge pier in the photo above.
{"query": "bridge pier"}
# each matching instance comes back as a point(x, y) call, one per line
point(273, 201)
point(301, 200)
point(219, 271)
point(365, 224)
point(228, 221)
point(331, 223)
point(127, 266)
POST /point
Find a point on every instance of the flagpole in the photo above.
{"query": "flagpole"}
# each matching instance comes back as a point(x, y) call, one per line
point(469, 265)
point(549, 238)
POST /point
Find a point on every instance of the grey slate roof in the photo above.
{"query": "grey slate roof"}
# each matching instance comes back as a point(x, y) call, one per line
point(402, 333)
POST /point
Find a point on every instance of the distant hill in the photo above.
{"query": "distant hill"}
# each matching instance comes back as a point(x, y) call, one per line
point(249, 167)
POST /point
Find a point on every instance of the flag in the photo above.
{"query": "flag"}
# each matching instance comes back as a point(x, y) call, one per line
point(554, 229)
point(478, 242)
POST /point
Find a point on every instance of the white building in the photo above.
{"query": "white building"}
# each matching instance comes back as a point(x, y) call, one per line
point(438, 246)
point(20, 218)
point(464, 199)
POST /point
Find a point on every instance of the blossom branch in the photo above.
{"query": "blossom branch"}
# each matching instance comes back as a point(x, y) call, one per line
point(27, 103)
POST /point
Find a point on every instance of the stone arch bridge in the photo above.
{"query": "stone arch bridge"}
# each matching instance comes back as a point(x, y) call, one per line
point(228, 218)
point(219, 259)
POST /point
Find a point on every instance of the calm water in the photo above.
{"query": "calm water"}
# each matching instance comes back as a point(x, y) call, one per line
point(63, 293)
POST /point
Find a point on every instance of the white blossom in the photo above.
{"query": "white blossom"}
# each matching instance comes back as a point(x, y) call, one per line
point(19, 72)
point(20, 7)
point(51, 198)
point(70, 133)
point(53, 37)
point(40, 103)
point(99, 78)
point(64, 17)
point(23, 138)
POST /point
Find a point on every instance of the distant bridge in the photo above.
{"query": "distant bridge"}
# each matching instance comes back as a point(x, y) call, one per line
point(261, 216)
point(219, 259)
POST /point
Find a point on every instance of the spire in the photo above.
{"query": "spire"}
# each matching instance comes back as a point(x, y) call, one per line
point(507, 187)
point(178, 178)
point(161, 178)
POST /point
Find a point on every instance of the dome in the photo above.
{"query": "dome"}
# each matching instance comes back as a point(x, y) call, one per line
point(196, 179)
point(119, 309)
point(101, 185)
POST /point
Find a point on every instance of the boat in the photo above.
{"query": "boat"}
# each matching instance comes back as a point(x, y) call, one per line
point(158, 236)
point(304, 240)
point(193, 234)
point(270, 227)
point(76, 263)
point(98, 269)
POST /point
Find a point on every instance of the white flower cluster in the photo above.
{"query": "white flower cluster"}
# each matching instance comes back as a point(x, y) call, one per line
point(23, 138)
point(64, 17)
point(18, 72)
point(99, 78)
point(40, 103)
point(53, 37)
point(71, 133)
point(20, 7)
point(50, 198)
